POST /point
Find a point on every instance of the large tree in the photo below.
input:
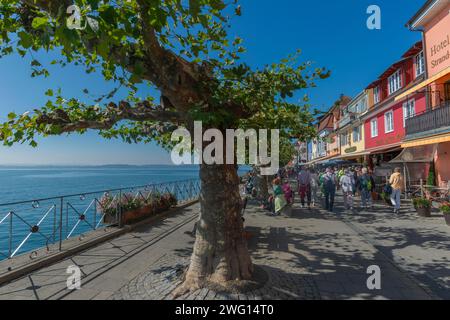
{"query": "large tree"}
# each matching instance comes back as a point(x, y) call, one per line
point(182, 49)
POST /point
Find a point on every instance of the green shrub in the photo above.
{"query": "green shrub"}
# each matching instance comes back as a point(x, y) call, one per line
point(421, 203)
point(445, 209)
point(431, 176)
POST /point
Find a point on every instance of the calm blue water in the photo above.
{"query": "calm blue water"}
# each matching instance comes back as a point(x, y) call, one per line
point(29, 183)
point(23, 183)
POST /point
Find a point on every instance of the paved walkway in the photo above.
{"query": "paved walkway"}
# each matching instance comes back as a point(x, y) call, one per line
point(311, 255)
point(418, 245)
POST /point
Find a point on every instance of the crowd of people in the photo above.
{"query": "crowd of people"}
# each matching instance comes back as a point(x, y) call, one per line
point(320, 185)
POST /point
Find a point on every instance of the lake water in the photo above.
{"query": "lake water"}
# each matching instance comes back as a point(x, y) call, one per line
point(29, 183)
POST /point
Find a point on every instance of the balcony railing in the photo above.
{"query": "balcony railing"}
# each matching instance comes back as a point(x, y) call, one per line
point(437, 118)
point(346, 120)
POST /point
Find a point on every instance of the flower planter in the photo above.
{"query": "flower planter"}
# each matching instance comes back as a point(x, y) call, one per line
point(424, 212)
point(447, 218)
point(144, 208)
point(129, 217)
point(422, 206)
point(109, 219)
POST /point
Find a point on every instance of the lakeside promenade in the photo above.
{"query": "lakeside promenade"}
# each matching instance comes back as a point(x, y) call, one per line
point(311, 255)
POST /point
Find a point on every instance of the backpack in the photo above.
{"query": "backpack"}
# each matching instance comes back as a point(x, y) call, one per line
point(387, 189)
point(328, 182)
point(365, 183)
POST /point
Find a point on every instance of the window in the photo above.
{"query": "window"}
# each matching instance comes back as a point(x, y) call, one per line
point(408, 110)
point(388, 122)
point(363, 106)
point(395, 82)
point(344, 139)
point(357, 134)
point(374, 128)
point(376, 94)
point(420, 64)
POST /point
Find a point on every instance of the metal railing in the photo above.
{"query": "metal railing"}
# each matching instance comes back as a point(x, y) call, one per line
point(437, 118)
point(26, 226)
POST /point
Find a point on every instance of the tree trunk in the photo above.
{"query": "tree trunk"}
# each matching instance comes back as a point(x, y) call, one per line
point(220, 251)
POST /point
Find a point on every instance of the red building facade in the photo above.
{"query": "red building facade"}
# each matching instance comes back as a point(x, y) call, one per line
point(384, 123)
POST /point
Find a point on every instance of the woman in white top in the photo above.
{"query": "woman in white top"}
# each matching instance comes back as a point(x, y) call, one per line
point(314, 186)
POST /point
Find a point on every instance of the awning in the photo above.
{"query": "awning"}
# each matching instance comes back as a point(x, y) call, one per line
point(319, 160)
point(311, 162)
point(426, 141)
point(423, 84)
point(386, 148)
point(353, 155)
point(418, 154)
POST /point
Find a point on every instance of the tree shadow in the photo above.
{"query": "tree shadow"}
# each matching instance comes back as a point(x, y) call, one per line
point(339, 266)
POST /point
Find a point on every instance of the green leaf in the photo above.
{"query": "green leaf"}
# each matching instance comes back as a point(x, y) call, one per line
point(35, 63)
point(39, 22)
point(26, 40)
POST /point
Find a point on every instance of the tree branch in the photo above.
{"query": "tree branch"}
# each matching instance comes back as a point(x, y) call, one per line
point(177, 79)
point(50, 6)
point(108, 117)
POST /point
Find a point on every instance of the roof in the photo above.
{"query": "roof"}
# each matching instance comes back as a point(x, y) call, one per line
point(415, 49)
point(420, 12)
point(412, 51)
point(326, 122)
point(373, 84)
point(392, 68)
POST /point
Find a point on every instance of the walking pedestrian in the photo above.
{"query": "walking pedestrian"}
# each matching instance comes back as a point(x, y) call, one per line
point(279, 200)
point(304, 186)
point(288, 194)
point(396, 182)
point(366, 185)
point(314, 186)
point(356, 174)
point(329, 188)
point(347, 184)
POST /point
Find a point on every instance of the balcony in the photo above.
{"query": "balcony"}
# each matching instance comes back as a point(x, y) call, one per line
point(346, 120)
point(435, 119)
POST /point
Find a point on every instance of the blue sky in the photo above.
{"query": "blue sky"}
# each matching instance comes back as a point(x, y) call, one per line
point(333, 34)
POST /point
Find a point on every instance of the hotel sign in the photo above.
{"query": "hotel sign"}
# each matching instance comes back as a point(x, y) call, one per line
point(439, 53)
point(437, 43)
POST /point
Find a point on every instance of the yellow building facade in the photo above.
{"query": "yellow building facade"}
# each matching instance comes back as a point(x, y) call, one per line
point(351, 128)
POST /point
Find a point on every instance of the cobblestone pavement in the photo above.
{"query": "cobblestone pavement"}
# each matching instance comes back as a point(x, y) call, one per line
point(311, 255)
point(161, 280)
point(419, 245)
point(109, 266)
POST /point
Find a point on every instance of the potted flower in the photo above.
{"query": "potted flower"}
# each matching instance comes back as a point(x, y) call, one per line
point(134, 208)
point(445, 209)
point(108, 206)
point(422, 206)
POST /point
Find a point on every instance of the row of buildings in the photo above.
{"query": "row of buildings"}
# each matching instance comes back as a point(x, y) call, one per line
point(403, 116)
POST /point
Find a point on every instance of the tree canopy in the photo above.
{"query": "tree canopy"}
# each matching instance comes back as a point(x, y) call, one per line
point(181, 48)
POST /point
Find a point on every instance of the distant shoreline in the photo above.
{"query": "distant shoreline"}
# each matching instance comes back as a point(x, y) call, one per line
point(98, 165)
point(91, 165)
